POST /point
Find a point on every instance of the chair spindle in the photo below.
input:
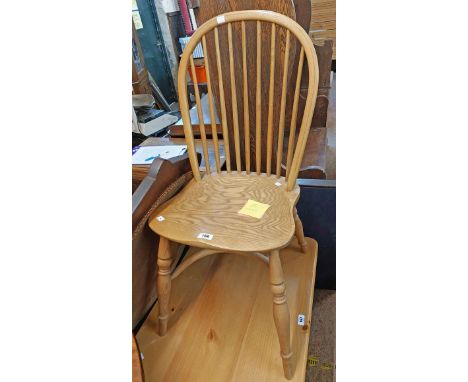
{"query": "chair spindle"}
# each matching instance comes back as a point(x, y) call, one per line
point(279, 152)
point(214, 130)
point(258, 102)
point(235, 118)
point(292, 131)
point(246, 102)
point(223, 104)
point(270, 99)
point(200, 116)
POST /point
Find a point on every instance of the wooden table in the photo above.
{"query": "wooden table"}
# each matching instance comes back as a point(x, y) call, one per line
point(140, 171)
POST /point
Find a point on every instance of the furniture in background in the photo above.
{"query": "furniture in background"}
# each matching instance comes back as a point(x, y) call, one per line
point(205, 214)
point(140, 80)
point(314, 161)
point(163, 180)
point(139, 172)
point(323, 23)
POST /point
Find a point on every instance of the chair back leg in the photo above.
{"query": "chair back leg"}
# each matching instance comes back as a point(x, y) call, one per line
point(281, 312)
point(299, 232)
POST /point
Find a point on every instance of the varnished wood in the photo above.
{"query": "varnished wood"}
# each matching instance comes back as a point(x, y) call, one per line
point(206, 213)
point(223, 104)
point(202, 253)
point(205, 343)
point(164, 283)
point(246, 101)
point(299, 231)
point(307, 52)
point(211, 8)
point(281, 312)
point(235, 118)
point(258, 102)
point(200, 115)
point(212, 206)
point(292, 129)
point(279, 155)
point(214, 130)
point(270, 99)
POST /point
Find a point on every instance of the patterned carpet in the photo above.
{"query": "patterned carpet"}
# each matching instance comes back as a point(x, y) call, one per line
point(322, 349)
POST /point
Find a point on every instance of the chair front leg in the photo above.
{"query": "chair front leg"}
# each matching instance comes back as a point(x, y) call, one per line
point(281, 312)
point(299, 232)
point(164, 283)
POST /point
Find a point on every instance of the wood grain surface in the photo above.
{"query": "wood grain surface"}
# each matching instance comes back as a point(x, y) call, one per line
point(211, 8)
point(279, 24)
point(211, 206)
point(221, 326)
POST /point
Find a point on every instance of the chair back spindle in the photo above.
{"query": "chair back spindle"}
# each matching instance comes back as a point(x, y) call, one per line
point(281, 28)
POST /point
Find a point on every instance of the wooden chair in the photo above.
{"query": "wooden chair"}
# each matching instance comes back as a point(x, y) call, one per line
point(205, 213)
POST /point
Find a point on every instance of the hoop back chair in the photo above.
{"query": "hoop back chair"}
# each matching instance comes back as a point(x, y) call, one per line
point(205, 213)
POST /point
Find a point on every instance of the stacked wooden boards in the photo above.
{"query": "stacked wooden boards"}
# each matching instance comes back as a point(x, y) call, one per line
point(323, 23)
point(221, 324)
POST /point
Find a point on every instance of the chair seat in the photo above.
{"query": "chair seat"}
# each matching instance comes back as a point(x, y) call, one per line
point(212, 206)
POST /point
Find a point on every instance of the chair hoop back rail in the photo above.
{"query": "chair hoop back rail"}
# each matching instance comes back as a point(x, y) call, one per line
point(295, 150)
point(211, 205)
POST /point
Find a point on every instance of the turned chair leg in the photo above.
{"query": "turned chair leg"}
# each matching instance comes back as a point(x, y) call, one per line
point(281, 312)
point(164, 283)
point(300, 231)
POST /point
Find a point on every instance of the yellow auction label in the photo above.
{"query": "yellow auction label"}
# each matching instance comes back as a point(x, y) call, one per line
point(254, 209)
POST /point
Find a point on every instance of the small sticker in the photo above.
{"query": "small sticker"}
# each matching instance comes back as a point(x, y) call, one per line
point(312, 361)
point(205, 236)
point(142, 355)
point(160, 218)
point(277, 184)
point(220, 19)
point(326, 366)
point(254, 209)
point(301, 320)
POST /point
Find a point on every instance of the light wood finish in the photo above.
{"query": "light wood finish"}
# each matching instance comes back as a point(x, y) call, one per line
point(292, 130)
point(202, 253)
point(235, 118)
point(212, 206)
point(299, 232)
point(246, 101)
point(211, 8)
point(281, 311)
point(307, 53)
point(270, 99)
point(164, 283)
point(221, 92)
point(282, 108)
point(200, 116)
point(258, 102)
point(221, 326)
point(214, 130)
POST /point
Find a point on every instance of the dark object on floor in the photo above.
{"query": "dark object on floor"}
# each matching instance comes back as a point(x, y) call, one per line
point(317, 210)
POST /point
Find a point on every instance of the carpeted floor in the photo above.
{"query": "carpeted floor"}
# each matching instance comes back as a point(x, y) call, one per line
point(322, 349)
